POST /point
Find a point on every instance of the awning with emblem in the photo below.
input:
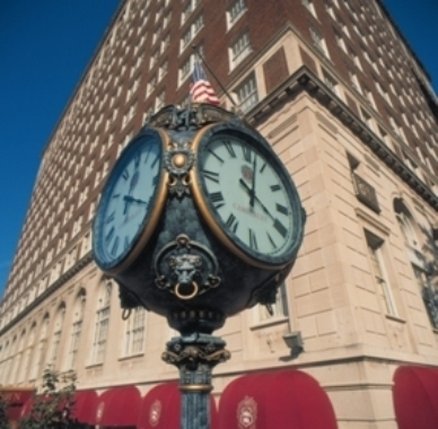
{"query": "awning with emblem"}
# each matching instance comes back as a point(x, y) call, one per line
point(118, 406)
point(161, 408)
point(15, 400)
point(415, 395)
point(280, 399)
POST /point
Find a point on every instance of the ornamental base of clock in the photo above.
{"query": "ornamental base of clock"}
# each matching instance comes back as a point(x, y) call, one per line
point(195, 356)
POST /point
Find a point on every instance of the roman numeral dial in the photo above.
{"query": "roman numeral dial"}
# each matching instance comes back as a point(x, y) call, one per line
point(127, 200)
point(248, 194)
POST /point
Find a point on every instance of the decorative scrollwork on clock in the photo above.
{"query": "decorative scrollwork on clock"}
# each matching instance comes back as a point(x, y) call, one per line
point(178, 161)
point(186, 268)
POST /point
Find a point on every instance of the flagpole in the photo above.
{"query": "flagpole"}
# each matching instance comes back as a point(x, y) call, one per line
point(197, 51)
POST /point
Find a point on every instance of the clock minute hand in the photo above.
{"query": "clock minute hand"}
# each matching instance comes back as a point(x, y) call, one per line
point(252, 195)
point(248, 189)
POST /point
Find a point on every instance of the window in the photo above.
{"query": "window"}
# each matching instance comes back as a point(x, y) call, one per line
point(78, 314)
point(376, 256)
point(191, 32)
point(277, 310)
point(369, 96)
point(162, 71)
point(135, 332)
point(247, 95)
point(330, 9)
point(236, 10)
point(419, 259)
point(355, 82)
point(357, 61)
point(151, 85)
point(308, 4)
point(28, 357)
point(368, 119)
point(240, 49)
point(56, 337)
point(330, 82)
point(18, 358)
point(187, 11)
point(159, 101)
point(38, 359)
point(319, 42)
point(102, 324)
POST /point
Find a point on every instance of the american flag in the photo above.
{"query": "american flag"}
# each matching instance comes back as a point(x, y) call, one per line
point(201, 89)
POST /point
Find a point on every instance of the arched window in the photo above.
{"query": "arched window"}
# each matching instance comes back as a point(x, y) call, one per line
point(19, 357)
point(418, 259)
point(38, 361)
point(407, 223)
point(379, 268)
point(135, 332)
point(78, 316)
point(102, 323)
point(10, 363)
point(28, 355)
point(56, 336)
point(4, 361)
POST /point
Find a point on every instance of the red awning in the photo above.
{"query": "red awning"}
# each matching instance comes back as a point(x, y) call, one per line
point(118, 406)
point(27, 407)
point(161, 408)
point(281, 399)
point(415, 394)
point(85, 406)
point(15, 400)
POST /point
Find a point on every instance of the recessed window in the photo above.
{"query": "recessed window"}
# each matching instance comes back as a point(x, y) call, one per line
point(159, 101)
point(308, 4)
point(376, 255)
point(247, 95)
point(135, 332)
point(330, 82)
point(237, 9)
point(240, 49)
point(78, 314)
point(319, 42)
point(102, 324)
point(355, 82)
point(191, 32)
point(187, 11)
point(187, 67)
point(276, 310)
point(341, 42)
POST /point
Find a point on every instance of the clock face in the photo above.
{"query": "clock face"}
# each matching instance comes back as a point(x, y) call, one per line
point(129, 201)
point(248, 196)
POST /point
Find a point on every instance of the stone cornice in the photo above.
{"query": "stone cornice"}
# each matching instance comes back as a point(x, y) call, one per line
point(305, 80)
point(78, 266)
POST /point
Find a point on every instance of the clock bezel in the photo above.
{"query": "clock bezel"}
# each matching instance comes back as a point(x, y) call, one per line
point(150, 219)
point(209, 214)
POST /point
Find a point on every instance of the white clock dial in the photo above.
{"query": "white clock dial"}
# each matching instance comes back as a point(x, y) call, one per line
point(249, 195)
point(127, 200)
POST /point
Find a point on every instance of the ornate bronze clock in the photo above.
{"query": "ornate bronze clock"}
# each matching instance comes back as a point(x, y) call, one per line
point(199, 219)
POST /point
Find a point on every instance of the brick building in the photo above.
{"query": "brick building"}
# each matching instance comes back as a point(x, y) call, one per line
point(336, 89)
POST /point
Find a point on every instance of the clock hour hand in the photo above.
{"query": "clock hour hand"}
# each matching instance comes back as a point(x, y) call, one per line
point(129, 199)
point(250, 193)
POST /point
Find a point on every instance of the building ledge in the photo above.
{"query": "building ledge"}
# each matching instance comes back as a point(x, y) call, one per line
point(78, 266)
point(305, 80)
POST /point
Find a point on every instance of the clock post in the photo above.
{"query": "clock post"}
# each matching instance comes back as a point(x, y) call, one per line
point(197, 204)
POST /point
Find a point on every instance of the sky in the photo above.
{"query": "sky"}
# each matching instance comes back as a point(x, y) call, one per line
point(45, 47)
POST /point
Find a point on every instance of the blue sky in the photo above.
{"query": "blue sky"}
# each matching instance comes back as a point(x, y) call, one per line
point(45, 47)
